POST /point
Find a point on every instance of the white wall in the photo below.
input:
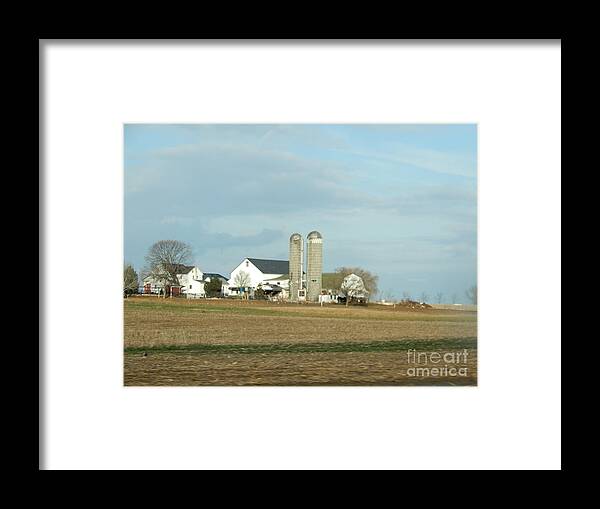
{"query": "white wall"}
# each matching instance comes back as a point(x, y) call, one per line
point(256, 276)
point(284, 283)
point(192, 279)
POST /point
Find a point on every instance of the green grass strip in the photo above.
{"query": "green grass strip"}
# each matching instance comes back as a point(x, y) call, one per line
point(372, 346)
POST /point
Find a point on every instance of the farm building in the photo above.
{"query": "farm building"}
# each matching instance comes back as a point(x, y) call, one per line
point(330, 292)
point(191, 282)
point(272, 276)
point(337, 288)
point(314, 266)
point(306, 286)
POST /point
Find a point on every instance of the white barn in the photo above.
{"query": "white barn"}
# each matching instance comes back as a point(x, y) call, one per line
point(270, 275)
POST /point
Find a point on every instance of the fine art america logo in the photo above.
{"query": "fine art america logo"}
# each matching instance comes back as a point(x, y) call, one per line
point(436, 364)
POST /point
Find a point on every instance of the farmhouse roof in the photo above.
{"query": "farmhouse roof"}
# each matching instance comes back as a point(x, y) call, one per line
point(181, 268)
point(271, 266)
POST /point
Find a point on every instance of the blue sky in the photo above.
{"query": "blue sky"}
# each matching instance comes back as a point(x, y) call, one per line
point(399, 200)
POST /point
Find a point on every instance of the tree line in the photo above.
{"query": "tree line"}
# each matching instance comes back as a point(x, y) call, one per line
point(470, 294)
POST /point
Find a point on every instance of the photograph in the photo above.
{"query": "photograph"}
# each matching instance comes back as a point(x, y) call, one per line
point(300, 254)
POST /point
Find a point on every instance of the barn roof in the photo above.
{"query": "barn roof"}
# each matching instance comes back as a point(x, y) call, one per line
point(271, 266)
point(283, 277)
point(214, 274)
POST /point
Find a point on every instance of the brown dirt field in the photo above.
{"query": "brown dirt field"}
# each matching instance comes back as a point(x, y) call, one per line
point(183, 322)
point(167, 327)
point(349, 368)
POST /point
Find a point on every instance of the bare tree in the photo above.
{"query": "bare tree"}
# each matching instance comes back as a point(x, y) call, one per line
point(165, 260)
point(242, 279)
point(454, 297)
point(130, 280)
point(438, 297)
point(424, 297)
point(471, 294)
point(369, 279)
point(406, 296)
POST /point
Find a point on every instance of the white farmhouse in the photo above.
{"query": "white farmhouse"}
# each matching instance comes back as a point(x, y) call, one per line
point(191, 282)
point(270, 275)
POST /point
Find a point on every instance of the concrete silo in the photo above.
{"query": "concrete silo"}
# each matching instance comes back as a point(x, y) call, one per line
point(296, 263)
point(314, 267)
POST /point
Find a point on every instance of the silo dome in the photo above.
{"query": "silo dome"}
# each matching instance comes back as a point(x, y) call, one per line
point(315, 235)
point(295, 237)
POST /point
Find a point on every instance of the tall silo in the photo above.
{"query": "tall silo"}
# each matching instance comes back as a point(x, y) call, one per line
point(295, 263)
point(314, 268)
